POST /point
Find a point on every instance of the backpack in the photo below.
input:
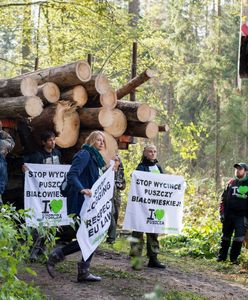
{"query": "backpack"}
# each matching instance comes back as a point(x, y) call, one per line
point(64, 187)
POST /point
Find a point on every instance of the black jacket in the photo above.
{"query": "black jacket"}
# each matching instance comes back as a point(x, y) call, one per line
point(145, 165)
point(44, 157)
point(235, 198)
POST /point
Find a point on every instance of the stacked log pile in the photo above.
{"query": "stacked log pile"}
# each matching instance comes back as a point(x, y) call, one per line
point(72, 102)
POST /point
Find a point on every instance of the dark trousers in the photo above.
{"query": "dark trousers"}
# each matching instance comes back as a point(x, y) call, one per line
point(74, 247)
point(3, 174)
point(151, 243)
point(234, 224)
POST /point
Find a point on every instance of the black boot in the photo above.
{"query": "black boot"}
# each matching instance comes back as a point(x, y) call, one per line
point(224, 246)
point(235, 251)
point(56, 256)
point(85, 275)
point(38, 249)
point(155, 263)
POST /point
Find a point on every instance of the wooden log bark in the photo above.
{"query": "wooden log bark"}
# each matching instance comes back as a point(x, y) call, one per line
point(95, 118)
point(66, 75)
point(145, 130)
point(119, 125)
point(61, 118)
point(134, 83)
point(163, 128)
point(22, 105)
point(16, 86)
point(78, 94)
point(49, 92)
point(109, 99)
point(135, 111)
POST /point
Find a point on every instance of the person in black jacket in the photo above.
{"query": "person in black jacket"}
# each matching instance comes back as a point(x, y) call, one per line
point(47, 154)
point(233, 214)
point(148, 163)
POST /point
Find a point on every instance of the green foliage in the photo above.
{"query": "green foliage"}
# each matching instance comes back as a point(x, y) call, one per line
point(160, 294)
point(15, 243)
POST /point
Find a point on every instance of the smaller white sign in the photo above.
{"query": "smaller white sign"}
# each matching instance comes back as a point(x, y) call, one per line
point(42, 195)
point(96, 214)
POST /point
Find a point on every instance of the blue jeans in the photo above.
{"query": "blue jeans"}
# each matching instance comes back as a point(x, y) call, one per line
point(3, 174)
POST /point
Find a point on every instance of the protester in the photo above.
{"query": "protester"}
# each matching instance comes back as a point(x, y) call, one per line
point(234, 213)
point(148, 163)
point(6, 145)
point(120, 184)
point(87, 166)
point(47, 154)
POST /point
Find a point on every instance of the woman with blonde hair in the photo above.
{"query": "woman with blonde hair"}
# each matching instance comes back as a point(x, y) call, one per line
point(148, 163)
point(87, 166)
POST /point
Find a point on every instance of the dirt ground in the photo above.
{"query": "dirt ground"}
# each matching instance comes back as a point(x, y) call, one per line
point(121, 282)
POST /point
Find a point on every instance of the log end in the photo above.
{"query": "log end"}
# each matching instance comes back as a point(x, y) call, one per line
point(29, 86)
point(119, 125)
point(144, 112)
point(109, 99)
point(151, 130)
point(102, 84)
point(105, 117)
point(34, 106)
point(79, 95)
point(83, 71)
point(51, 92)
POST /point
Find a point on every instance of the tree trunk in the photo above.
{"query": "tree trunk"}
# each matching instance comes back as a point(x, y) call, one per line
point(14, 87)
point(23, 106)
point(145, 130)
point(135, 111)
point(60, 118)
point(119, 125)
point(49, 92)
point(134, 83)
point(95, 118)
point(77, 94)
point(64, 76)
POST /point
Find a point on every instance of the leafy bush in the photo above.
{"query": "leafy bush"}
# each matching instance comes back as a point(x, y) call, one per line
point(15, 243)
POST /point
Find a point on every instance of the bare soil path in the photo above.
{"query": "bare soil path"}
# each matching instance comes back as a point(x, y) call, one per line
point(120, 282)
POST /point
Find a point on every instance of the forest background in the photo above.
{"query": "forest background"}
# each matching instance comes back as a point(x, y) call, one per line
point(192, 47)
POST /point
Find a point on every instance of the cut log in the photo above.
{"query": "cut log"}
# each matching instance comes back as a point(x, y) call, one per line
point(22, 105)
point(61, 118)
point(119, 124)
point(16, 86)
point(102, 84)
point(135, 111)
point(145, 130)
point(163, 128)
point(134, 83)
point(77, 94)
point(109, 99)
point(49, 91)
point(95, 118)
point(64, 76)
point(153, 113)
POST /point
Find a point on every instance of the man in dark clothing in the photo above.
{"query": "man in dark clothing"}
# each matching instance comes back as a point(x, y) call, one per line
point(48, 154)
point(233, 214)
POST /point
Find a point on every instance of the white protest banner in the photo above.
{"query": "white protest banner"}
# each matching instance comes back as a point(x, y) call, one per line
point(96, 214)
point(155, 203)
point(42, 195)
